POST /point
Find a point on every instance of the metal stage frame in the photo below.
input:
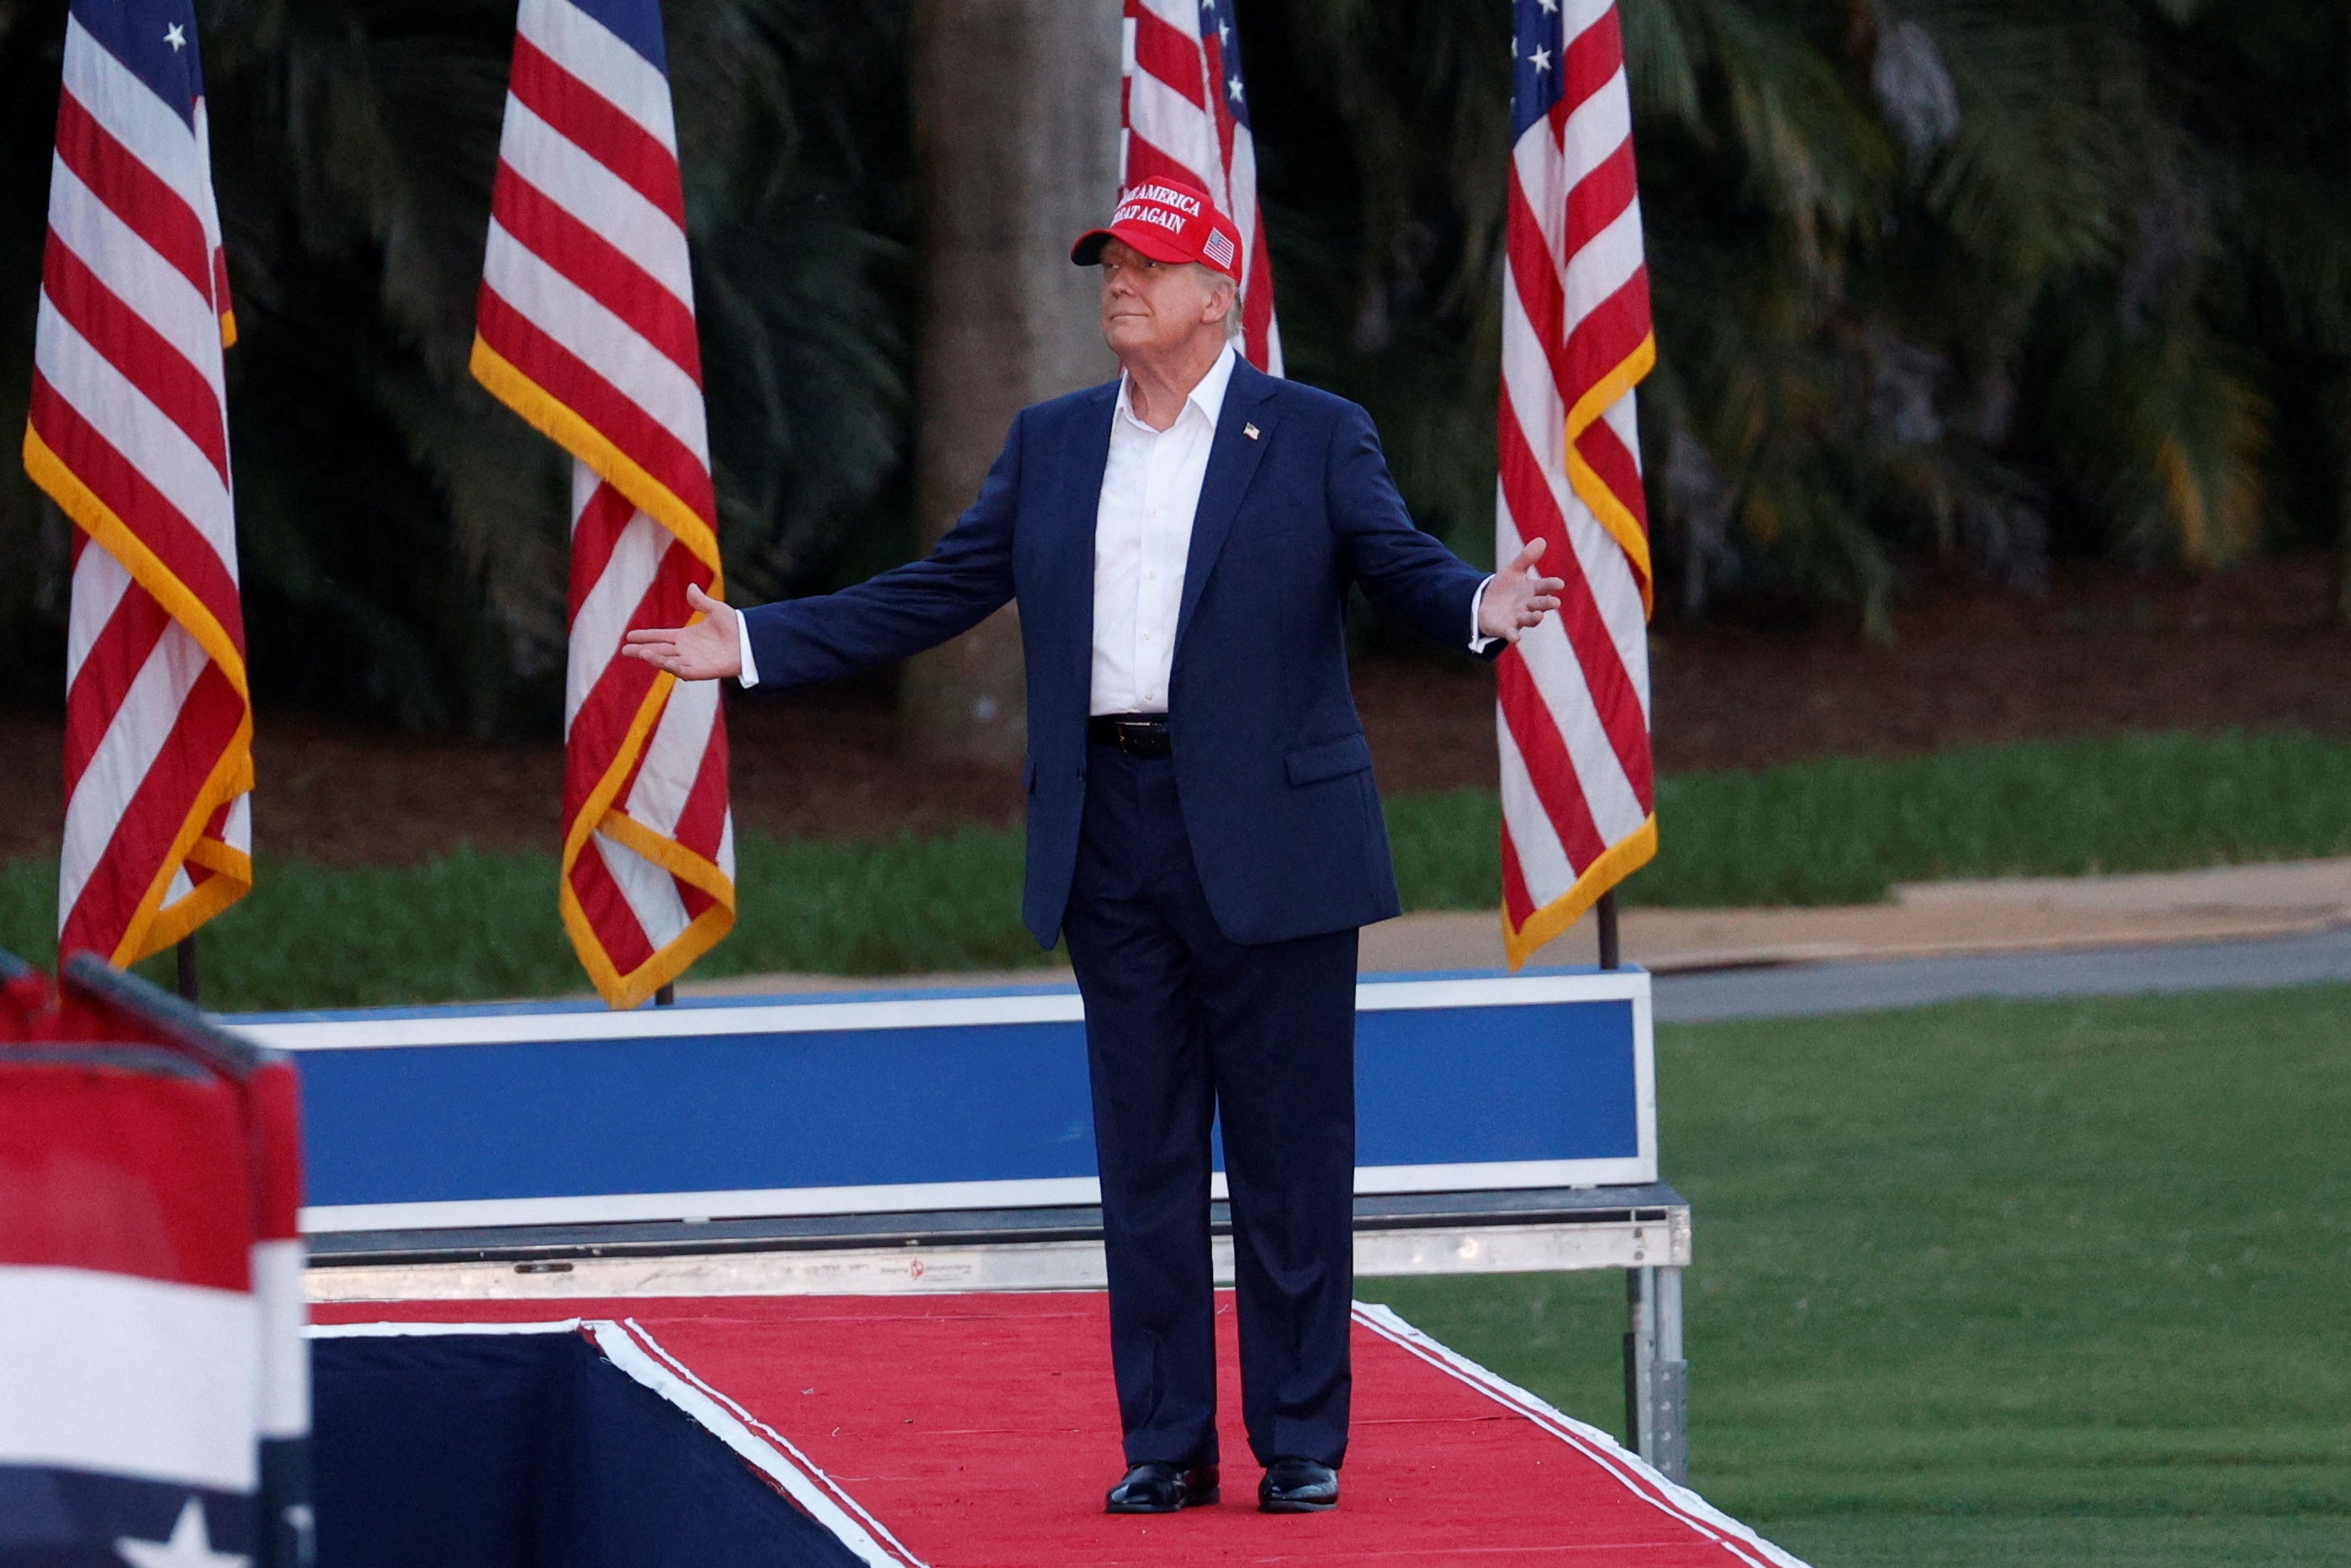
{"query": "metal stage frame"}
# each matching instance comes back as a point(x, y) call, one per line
point(1644, 1229)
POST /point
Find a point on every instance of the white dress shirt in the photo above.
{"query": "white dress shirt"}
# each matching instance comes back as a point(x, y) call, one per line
point(1142, 537)
point(1143, 534)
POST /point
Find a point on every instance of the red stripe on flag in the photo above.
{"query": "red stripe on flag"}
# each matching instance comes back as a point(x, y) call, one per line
point(215, 827)
point(133, 193)
point(1256, 302)
point(1588, 60)
point(117, 481)
point(1517, 903)
point(610, 706)
point(114, 661)
point(605, 713)
point(1536, 735)
point(1167, 55)
point(144, 356)
point(591, 122)
point(1145, 162)
point(1541, 296)
point(1607, 337)
point(608, 912)
point(598, 729)
point(620, 421)
point(593, 539)
point(1535, 512)
point(207, 722)
point(1600, 198)
point(703, 820)
point(1600, 447)
point(600, 268)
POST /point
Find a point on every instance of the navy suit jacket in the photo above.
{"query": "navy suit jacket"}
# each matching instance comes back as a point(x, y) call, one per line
point(1271, 761)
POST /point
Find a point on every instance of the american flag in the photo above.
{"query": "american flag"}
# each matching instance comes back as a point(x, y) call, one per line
point(1184, 115)
point(129, 435)
point(586, 328)
point(1578, 789)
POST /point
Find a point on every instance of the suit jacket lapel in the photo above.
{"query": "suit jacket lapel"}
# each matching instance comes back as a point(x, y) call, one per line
point(1232, 461)
point(1086, 457)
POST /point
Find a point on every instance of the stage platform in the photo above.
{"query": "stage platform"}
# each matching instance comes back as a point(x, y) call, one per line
point(855, 1238)
point(979, 1431)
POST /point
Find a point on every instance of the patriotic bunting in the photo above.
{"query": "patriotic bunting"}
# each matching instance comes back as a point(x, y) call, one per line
point(154, 1377)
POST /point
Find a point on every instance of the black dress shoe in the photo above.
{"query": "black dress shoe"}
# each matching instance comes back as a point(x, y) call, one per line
point(1297, 1486)
point(1156, 1488)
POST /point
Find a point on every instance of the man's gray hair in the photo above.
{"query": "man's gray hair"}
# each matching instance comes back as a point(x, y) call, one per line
point(1233, 316)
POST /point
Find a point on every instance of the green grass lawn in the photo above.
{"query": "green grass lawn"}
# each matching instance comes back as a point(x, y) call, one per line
point(469, 926)
point(1847, 830)
point(1993, 1283)
point(473, 925)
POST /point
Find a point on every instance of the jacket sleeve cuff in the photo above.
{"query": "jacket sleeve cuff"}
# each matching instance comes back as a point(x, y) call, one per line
point(1478, 642)
point(750, 674)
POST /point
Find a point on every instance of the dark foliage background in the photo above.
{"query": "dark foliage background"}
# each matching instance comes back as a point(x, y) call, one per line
point(1938, 283)
point(402, 536)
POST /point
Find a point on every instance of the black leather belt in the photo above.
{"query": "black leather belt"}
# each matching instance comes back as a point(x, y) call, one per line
point(1136, 733)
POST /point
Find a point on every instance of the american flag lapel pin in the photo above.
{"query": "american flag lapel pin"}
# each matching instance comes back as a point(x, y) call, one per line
point(1249, 431)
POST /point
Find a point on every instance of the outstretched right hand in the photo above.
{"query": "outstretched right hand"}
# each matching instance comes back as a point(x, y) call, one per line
point(704, 649)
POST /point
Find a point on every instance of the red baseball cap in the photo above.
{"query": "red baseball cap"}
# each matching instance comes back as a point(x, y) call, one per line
point(1168, 221)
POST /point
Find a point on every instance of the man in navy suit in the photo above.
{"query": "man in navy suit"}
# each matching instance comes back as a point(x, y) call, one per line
point(1202, 826)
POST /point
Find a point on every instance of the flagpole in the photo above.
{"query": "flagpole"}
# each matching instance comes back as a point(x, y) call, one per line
point(186, 954)
point(1611, 954)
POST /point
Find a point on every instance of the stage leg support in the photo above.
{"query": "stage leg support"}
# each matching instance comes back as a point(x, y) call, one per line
point(1656, 1376)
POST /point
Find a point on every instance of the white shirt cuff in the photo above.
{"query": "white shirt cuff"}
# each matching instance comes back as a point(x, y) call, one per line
point(750, 674)
point(1479, 641)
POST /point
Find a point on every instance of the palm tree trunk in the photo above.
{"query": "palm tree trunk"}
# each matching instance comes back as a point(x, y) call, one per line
point(1016, 138)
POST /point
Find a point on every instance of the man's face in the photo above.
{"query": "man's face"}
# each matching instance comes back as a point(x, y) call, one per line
point(1153, 307)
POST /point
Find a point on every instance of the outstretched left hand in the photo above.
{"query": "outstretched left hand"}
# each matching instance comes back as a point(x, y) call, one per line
point(704, 649)
point(1517, 598)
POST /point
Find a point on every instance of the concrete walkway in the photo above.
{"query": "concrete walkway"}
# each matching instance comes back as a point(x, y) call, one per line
point(2286, 924)
point(1921, 920)
point(1816, 991)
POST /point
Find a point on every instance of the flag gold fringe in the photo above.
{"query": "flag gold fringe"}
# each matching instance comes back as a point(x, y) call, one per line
point(154, 926)
point(1620, 859)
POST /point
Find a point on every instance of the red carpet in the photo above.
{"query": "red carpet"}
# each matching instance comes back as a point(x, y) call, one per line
point(980, 1432)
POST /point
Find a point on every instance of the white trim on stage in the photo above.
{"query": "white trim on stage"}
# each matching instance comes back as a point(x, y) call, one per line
point(1630, 1470)
point(914, 1197)
point(387, 1030)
